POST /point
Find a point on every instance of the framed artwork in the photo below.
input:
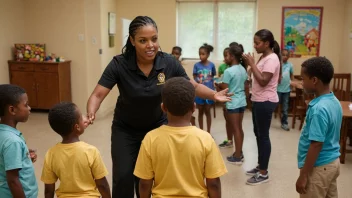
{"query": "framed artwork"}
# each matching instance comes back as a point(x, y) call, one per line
point(30, 52)
point(301, 30)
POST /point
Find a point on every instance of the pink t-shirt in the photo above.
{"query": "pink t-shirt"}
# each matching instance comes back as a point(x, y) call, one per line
point(271, 64)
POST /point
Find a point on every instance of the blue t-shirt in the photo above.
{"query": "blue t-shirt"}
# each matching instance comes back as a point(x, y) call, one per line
point(235, 77)
point(205, 74)
point(284, 86)
point(322, 124)
point(14, 154)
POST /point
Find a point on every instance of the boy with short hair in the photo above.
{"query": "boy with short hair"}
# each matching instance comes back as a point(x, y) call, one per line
point(284, 89)
point(77, 165)
point(178, 157)
point(319, 148)
point(17, 177)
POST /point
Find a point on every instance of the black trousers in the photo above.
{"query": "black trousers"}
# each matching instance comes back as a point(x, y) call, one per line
point(125, 146)
point(262, 113)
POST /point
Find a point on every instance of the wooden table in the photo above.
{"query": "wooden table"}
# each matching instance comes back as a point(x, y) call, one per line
point(346, 117)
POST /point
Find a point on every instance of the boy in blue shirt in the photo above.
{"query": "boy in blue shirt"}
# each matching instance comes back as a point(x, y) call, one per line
point(283, 89)
point(17, 178)
point(319, 148)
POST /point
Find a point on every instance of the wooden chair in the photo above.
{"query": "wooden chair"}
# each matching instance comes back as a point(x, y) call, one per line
point(299, 108)
point(350, 133)
point(341, 86)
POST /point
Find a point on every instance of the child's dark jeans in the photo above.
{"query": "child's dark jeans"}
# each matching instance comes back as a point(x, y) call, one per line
point(284, 99)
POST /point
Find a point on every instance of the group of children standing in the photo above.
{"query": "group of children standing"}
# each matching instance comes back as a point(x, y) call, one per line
point(270, 79)
point(178, 159)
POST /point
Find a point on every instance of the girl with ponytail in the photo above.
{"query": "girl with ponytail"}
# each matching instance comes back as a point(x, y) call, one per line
point(265, 78)
point(234, 79)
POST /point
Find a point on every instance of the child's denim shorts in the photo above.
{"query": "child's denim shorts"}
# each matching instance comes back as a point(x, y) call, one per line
point(237, 110)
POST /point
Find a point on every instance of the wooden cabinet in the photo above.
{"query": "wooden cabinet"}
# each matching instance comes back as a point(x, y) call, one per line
point(26, 81)
point(46, 83)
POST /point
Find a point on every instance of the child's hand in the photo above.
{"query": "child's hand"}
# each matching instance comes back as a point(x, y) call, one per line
point(91, 117)
point(301, 184)
point(33, 155)
point(86, 121)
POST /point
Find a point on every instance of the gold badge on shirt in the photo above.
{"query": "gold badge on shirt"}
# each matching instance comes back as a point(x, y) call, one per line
point(161, 79)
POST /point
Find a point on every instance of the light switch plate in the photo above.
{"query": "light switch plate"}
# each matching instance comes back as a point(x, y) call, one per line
point(81, 37)
point(94, 40)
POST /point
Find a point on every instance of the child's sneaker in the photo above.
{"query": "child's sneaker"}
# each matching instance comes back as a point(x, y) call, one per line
point(228, 157)
point(285, 127)
point(235, 160)
point(226, 144)
point(252, 172)
point(258, 179)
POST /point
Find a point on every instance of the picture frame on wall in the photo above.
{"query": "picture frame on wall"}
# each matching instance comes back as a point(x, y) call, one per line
point(301, 31)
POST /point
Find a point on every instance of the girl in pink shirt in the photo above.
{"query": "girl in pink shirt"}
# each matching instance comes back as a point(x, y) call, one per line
point(265, 78)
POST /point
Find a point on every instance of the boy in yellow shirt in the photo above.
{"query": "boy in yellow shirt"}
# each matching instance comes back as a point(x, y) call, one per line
point(77, 165)
point(178, 157)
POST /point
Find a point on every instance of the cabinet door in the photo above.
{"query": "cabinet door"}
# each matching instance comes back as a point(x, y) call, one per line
point(47, 89)
point(26, 80)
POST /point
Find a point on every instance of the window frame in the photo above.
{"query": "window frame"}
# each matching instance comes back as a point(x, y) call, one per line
point(215, 43)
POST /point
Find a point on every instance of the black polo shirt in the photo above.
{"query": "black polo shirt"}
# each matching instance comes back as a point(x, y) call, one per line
point(138, 105)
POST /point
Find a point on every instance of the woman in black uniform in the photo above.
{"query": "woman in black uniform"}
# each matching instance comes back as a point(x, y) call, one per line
point(139, 72)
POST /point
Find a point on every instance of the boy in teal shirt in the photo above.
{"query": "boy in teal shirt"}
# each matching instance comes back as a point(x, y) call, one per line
point(283, 89)
point(319, 148)
point(17, 178)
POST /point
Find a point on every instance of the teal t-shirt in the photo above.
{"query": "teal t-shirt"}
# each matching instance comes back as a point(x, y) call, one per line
point(14, 154)
point(322, 124)
point(284, 86)
point(235, 77)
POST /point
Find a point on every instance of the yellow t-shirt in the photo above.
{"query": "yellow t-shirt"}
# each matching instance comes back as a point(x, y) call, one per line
point(179, 159)
point(76, 165)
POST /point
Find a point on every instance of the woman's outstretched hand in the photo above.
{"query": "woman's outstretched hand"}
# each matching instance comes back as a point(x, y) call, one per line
point(223, 96)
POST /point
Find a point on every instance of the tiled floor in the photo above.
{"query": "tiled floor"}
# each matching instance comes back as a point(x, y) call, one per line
point(283, 167)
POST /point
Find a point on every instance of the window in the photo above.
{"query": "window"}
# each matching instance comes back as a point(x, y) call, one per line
point(215, 23)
